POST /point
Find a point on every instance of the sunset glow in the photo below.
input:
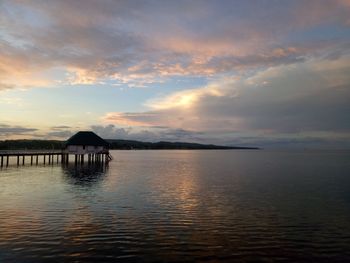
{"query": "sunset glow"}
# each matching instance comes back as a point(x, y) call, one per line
point(262, 73)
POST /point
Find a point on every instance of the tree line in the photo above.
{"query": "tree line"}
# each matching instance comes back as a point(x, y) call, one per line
point(113, 144)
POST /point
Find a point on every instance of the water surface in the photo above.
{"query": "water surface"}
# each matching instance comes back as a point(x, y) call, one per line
point(174, 205)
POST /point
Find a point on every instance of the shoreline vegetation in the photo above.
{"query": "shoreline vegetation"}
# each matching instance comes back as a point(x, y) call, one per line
point(117, 145)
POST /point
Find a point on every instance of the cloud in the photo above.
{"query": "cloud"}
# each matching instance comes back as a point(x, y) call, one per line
point(184, 99)
point(275, 69)
point(131, 119)
point(320, 140)
point(152, 135)
point(110, 131)
point(19, 132)
point(137, 44)
point(8, 131)
point(60, 127)
point(282, 101)
point(4, 86)
point(290, 142)
point(60, 134)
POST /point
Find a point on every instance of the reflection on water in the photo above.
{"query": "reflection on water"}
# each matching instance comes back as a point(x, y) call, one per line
point(180, 206)
point(84, 175)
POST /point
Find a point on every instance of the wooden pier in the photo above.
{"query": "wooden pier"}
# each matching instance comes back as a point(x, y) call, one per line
point(50, 157)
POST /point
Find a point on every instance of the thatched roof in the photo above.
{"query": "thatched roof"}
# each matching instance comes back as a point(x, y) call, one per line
point(86, 138)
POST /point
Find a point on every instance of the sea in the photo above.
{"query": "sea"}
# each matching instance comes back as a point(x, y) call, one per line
point(180, 206)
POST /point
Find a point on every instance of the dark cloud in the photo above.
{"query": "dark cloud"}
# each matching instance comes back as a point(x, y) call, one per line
point(290, 100)
point(110, 131)
point(4, 86)
point(148, 134)
point(7, 130)
point(60, 127)
point(279, 104)
point(60, 134)
point(309, 142)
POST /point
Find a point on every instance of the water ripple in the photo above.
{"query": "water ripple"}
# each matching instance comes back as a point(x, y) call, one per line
point(177, 206)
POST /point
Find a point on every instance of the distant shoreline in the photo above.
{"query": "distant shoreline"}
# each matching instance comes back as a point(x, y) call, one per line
point(118, 145)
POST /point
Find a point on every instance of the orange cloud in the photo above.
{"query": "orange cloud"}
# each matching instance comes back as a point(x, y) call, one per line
point(17, 71)
point(126, 119)
point(184, 99)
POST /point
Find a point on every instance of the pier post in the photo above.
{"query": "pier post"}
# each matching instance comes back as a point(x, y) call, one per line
point(67, 158)
point(44, 158)
point(7, 160)
point(49, 158)
point(76, 159)
point(23, 159)
point(36, 161)
point(31, 160)
point(82, 159)
point(17, 160)
point(2, 161)
point(57, 157)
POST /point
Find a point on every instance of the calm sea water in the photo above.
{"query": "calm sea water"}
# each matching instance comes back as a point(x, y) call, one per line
point(162, 206)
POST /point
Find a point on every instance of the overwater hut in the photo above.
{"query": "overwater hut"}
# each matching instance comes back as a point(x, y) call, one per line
point(87, 142)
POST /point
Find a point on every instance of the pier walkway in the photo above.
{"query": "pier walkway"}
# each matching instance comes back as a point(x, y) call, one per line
point(48, 157)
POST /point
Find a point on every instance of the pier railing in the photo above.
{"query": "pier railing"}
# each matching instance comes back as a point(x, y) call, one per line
point(29, 152)
point(50, 157)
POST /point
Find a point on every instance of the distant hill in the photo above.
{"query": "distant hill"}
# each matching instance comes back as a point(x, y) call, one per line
point(114, 144)
point(130, 144)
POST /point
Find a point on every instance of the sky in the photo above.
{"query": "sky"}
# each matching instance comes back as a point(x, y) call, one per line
point(265, 73)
